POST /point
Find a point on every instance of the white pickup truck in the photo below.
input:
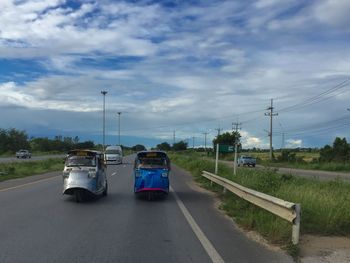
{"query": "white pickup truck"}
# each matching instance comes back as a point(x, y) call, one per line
point(23, 154)
point(246, 160)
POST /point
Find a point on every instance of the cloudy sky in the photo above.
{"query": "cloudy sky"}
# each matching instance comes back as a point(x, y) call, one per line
point(189, 66)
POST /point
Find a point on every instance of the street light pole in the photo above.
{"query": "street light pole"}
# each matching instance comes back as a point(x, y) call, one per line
point(104, 117)
point(119, 113)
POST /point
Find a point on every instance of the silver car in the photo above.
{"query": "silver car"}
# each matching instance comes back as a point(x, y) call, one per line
point(84, 174)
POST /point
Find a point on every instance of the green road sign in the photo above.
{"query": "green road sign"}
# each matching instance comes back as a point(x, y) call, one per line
point(226, 148)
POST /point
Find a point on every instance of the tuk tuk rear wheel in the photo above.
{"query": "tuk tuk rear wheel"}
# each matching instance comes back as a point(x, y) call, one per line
point(78, 196)
point(105, 192)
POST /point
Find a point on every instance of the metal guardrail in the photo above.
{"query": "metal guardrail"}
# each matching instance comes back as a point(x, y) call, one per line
point(286, 210)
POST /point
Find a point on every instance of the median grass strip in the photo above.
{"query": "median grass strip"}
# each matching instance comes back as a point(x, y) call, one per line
point(22, 169)
point(325, 205)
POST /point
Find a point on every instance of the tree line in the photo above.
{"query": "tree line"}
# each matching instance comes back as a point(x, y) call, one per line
point(12, 140)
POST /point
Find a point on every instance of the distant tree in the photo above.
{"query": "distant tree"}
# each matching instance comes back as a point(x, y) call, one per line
point(340, 152)
point(12, 140)
point(287, 156)
point(138, 148)
point(180, 146)
point(227, 138)
point(76, 140)
point(164, 146)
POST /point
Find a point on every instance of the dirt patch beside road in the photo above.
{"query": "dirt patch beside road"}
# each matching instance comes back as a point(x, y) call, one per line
point(315, 249)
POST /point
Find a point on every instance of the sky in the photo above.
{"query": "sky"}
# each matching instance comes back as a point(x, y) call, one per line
point(186, 66)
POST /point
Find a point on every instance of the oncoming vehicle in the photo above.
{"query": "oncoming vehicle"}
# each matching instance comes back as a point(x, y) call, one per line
point(114, 155)
point(84, 174)
point(246, 160)
point(23, 154)
point(151, 171)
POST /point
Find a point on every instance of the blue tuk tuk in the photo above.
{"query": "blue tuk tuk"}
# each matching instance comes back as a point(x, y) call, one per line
point(151, 172)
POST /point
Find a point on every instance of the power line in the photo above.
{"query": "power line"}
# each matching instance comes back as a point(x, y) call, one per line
point(320, 125)
point(318, 98)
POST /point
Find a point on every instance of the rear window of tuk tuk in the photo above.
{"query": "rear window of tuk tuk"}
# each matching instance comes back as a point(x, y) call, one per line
point(84, 156)
point(152, 155)
point(152, 159)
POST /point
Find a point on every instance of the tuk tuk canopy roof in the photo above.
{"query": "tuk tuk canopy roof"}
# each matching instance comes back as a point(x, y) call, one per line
point(84, 152)
point(152, 154)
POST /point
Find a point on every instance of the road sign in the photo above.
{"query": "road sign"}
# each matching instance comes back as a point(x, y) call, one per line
point(226, 148)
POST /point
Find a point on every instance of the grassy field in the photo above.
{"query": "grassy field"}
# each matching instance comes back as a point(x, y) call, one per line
point(23, 169)
point(309, 161)
point(325, 205)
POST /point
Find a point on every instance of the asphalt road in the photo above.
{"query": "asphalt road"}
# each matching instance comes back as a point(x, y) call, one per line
point(34, 158)
point(321, 175)
point(39, 224)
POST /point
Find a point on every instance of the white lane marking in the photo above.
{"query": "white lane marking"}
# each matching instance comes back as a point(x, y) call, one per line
point(23, 185)
point(207, 245)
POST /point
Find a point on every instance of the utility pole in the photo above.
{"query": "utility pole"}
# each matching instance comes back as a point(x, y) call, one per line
point(282, 144)
point(193, 142)
point(271, 114)
point(218, 129)
point(173, 137)
point(236, 145)
point(119, 113)
point(205, 141)
point(104, 117)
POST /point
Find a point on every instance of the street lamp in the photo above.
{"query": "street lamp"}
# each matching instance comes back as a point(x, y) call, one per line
point(119, 113)
point(104, 117)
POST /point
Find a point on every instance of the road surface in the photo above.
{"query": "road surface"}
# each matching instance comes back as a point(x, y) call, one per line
point(39, 224)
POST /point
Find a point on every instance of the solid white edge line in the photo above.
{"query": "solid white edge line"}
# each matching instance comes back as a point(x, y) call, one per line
point(207, 245)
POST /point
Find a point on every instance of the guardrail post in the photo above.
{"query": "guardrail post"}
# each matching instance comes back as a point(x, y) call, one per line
point(296, 225)
point(224, 190)
point(217, 159)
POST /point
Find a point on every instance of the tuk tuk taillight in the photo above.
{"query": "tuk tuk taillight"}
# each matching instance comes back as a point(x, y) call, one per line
point(165, 174)
point(66, 173)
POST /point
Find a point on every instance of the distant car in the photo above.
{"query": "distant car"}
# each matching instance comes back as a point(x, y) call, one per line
point(23, 154)
point(246, 161)
point(114, 155)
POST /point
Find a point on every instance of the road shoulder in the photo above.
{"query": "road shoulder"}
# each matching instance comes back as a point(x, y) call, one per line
point(26, 180)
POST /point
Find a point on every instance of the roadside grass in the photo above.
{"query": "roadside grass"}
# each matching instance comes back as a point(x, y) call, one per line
point(325, 205)
point(15, 170)
point(332, 166)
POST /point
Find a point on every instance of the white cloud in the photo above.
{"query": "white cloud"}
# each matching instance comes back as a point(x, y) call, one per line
point(165, 105)
point(294, 143)
point(54, 30)
point(334, 13)
point(249, 141)
point(197, 66)
point(39, 97)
